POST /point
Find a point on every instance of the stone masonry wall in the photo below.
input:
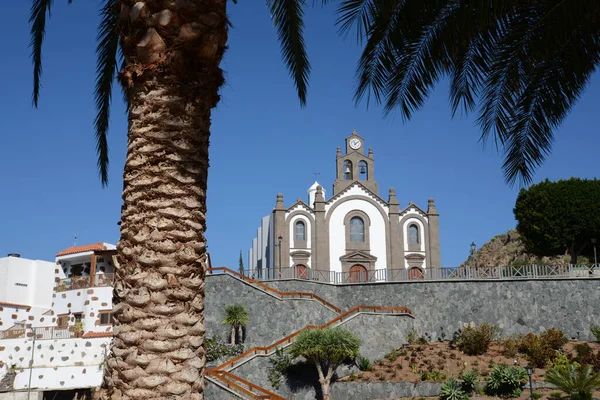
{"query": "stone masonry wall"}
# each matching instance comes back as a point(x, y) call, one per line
point(379, 335)
point(517, 306)
point(270, 318)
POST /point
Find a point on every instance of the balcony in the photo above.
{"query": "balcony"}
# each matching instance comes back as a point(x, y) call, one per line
point(45, 333)
point(83, 282)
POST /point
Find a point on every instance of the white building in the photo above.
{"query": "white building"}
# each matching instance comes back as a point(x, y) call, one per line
point(57, 317)
point(355, 235)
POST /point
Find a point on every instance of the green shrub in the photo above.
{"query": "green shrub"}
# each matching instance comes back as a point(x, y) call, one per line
point(510, 347)
point(433, 376)
point(452, 390)
point(469, 381)
point(553, 338)
point(539, 350)
point(364, 364)
point(504, 381)
point(475, 340)
point(413, 336)
point(280, 362)
point(596, 331)
point(216, 348)
point(392, 356)
point(578, 383)
point(536, 396)
point(585, 356)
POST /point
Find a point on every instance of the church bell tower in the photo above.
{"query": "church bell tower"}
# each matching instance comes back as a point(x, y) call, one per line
point(354, 166)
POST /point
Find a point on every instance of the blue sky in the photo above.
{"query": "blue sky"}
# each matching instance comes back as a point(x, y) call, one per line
point(262, 142)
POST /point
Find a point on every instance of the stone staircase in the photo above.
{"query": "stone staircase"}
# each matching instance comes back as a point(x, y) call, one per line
point(222, 376)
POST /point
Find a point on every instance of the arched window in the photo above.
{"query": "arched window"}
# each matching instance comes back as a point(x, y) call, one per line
point(357, 230)
point(363, 170)
point(413, 234)
point(348, 170)
point(300, 231)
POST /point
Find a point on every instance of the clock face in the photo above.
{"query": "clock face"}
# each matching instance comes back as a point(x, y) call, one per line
point(355, 144)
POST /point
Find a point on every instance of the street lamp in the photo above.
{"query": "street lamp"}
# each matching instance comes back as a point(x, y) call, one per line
point(593, 240)
point(279, 240)
point(529, 370)
point(473, 247)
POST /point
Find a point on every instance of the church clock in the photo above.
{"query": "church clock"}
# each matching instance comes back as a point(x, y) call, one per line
point(355, 144)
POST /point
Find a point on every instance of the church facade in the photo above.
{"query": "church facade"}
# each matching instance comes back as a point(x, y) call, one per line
point(355, 234)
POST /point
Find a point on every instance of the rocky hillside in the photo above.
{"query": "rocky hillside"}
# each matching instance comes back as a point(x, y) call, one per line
point(508, 249)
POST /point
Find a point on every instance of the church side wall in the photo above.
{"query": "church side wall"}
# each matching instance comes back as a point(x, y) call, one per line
point(517, 306)
point(337, 233)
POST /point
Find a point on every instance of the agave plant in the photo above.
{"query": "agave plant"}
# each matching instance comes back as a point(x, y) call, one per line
point(452, 390)
point(506, 381)
point(578, 383)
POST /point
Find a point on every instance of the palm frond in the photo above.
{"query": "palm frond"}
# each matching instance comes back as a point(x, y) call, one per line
point(37, 19)
point(107, 64)
point(378, 55)
point(423, 58)
point(355, 13)
point(552, 88)
point(288, 18)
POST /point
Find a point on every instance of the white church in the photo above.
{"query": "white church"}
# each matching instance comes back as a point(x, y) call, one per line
point(353, 236)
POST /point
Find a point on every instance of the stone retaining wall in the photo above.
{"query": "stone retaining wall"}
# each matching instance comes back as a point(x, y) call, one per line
point(270, 318)
point(379, 335)
point(517, 306)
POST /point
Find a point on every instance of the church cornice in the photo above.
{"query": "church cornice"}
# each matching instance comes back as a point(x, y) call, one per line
point(299, 203)
point(358, 256)
point(418, 209)
point(357, 183)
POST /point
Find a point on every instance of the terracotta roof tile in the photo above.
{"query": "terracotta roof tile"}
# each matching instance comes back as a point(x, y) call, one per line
point(91, 335)
point(82, 249)
point(14, 305)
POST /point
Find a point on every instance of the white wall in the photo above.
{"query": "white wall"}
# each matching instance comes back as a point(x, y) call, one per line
point(421, 251)
point(57, 364)
point(58, 378)
point(265, 240)
point(38, 276)
point(337, 232)
point(88, 301)
point(292, 231)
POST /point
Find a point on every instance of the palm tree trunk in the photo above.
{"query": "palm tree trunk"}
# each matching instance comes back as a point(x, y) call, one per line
point(241, 333)
point(172, 77)
point(232, 334)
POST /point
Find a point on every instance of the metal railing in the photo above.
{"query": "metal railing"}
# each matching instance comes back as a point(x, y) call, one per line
point(83, 282)
point(416, 274)
point(43, 333)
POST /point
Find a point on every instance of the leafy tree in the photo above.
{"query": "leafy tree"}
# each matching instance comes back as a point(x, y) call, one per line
point(577, 382)
point(167, 54)
point(558, 217)
point(327, 349)
point(236, 315)
point(523, 64)
point(241, 264)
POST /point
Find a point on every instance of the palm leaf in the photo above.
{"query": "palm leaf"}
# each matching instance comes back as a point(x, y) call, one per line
point(288, 18)
point(37, 19)
point(107, 64)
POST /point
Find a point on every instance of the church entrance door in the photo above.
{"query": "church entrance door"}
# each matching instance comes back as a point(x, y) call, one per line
point(358, 273)
point(301, 271)
point(415, 273)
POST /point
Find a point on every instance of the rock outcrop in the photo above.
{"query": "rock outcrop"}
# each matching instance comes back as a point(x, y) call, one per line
point(508, 249)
